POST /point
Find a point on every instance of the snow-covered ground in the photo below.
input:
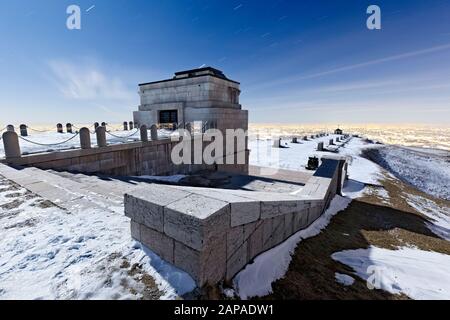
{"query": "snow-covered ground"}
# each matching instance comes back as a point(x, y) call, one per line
point(292, 156)
point(295, 156)
point(416, 273)
point(48, 253)
point(427, 170)
point(439, 215)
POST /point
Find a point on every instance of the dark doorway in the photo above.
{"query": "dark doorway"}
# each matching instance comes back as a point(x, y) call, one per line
point(168, 116)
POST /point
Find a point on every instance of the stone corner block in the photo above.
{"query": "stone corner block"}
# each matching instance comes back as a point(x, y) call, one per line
point(207, 266)
point(146, 205)
point(196, 219)
point(158, 242)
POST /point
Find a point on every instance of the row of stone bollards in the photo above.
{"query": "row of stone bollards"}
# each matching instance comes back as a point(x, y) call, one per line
point(69, 128)
point(277, 141)
point(100, 132)
point(129, 126)
point(320, 145)
point(23, 129)
point(12, 147)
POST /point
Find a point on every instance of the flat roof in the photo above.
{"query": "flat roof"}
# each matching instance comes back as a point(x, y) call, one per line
point(214, 73)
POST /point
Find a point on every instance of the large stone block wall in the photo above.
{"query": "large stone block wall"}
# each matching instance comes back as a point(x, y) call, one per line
point(197, 92)
point(130, 159)
point(212, 234)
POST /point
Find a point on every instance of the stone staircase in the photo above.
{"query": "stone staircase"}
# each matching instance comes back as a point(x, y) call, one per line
point(72, 191)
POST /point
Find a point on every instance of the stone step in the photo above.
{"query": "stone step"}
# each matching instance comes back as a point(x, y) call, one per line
point(64, 192)
point(107, 186)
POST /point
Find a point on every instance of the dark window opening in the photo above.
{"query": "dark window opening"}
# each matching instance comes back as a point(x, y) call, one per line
point(168, 116)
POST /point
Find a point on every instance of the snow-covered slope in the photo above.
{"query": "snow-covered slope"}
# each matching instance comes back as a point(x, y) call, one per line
point(422, 168)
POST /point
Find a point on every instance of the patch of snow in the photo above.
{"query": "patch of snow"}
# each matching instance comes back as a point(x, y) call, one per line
point(353, 189)
point(361, 169)
point(257, 278)
point(419, 274)
point(344, 279)
point(175, 281)
point(229, 293)
point(439, 216)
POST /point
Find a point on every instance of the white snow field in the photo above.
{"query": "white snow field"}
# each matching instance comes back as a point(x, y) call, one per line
point(427, 170)
point(421, 275)
point(295, 156)
point(439, 215)
point(49, 253)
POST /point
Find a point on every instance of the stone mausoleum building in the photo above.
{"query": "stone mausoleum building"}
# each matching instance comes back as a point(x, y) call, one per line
point(202, 97)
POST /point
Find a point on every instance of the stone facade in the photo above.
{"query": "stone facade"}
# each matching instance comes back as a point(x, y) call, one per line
point(204, 98)
point(204, 94)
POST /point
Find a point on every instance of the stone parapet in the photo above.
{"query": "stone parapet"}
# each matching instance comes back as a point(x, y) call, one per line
point(213, 233)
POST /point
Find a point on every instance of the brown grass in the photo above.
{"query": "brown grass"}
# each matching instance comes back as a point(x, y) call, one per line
point(365, 222)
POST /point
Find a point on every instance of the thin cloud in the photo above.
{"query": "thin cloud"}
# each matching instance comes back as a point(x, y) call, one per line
point(87, 83)
point(238, 7)
point(397, 57)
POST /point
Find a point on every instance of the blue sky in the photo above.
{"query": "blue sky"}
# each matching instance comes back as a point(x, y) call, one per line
point(297, 61)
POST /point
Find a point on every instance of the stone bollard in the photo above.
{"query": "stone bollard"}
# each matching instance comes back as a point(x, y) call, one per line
point(11, 145)
point(294, 140)
point(305, 138)
point(23, 130)
point(69, 128)
point(144, 133)
point(85, 138)
point(277, 143)
point(59, 128)
point(320, 146)
point(125, 126)
point(154, 132)
point(188, 127)
point(312, 137)
point(100, 132)
point(331, 142)
point(337, 139)
point(96, 125)
point(130, 125)
point(10, 128)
